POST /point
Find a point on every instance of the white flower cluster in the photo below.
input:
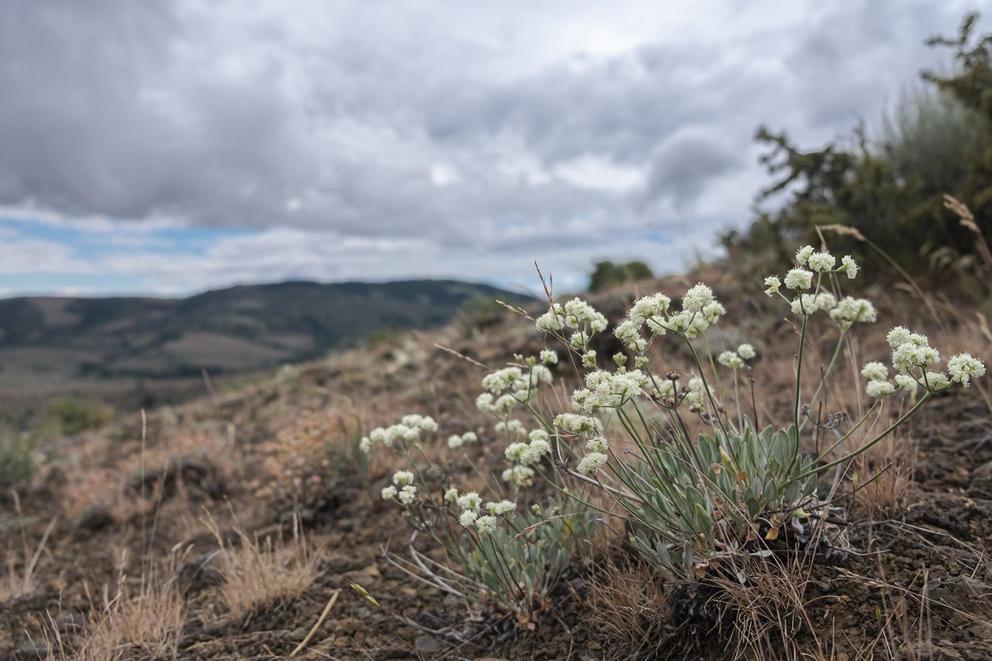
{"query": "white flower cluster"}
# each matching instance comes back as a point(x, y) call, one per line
point(845, 312)
point(577, 316)
point(695, 394)
point(527, 454)
point(579, 424)
point(510, 386)
point(609, 389)
point(510, 428)
point(651, 315)
point(406, 431)
point(912, 358)
point(520, 476)
point(402, 488)
point(471, 506)
point(591, 463)
point(736, 359)
point(455, 441)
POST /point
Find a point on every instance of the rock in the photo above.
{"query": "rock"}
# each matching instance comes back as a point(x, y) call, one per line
point(427, 644)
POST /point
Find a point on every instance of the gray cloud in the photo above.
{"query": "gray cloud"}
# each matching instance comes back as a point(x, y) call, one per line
point(487, 130)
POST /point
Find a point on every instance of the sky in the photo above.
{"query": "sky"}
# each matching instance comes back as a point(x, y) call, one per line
point(165, 148)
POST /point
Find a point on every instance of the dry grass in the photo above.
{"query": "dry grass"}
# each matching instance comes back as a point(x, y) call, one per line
point(628, 608)
point(884, 477)
point(258, 572)
point(142, 622)
point(768, 612)
point(20, 579)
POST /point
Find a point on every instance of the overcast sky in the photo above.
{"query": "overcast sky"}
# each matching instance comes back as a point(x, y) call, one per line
point(169, 147)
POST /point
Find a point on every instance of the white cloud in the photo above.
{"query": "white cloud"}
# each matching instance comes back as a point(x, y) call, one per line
point(423, 137)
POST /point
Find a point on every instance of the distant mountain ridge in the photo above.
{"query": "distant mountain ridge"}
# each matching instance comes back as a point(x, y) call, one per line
point(226, 331)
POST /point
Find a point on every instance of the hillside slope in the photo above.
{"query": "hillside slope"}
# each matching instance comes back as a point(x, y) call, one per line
point(96, 346)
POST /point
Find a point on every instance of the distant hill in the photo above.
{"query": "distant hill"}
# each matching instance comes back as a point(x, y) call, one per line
point(55, 345)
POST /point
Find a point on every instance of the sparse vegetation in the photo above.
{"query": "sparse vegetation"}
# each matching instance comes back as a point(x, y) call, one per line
point(660, 469)
point(258, 572)
point(15, 457)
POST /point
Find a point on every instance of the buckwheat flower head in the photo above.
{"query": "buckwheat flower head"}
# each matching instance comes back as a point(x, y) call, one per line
point(695, 391)
point(849, 266)
point(501, 508)
point(536, 449)
point(821, 261)
point(697, 297)
point(803, 255)
point(665, 388)
point(551, 321)
point(549, 356)
point(875, 371)
point(745, 351)
point(504, 403)
point(502, 380)
point(455, 441)
point(799, 279)
point(407, 494)
point(591, 463)
point(589, 359)
point(628, 332)
point(648, 307)
point(579, 314)
point(713, 311)
point(879, 388)
point(487, 525)
point(484, 402)
point(451, 496)
point(388, 493)
point(512, 427)
point(468, 517)
point(514, 450)
point(898, 336)
point(520, 476)
point(906, 382)
point(469, 437)
point(538, 435)
point(470, 501)
point(853, 310)
point(910, 355)
point(808, 303)
point(937, 381)
point(365, 444)
point(402, 478)
point(578, 424)
point(596, 444)
point(772, 285)
point(730, 359)
point(964, 366)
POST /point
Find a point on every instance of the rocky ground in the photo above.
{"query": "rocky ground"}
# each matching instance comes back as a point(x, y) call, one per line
point(133, 504)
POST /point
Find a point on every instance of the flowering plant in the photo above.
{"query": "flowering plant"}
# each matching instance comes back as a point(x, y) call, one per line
point(697, 480)
point(492, 551)
point(695, 497)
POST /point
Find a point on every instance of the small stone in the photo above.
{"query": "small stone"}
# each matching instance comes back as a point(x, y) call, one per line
point(428, 644)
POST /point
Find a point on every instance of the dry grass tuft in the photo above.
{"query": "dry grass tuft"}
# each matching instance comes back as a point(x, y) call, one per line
point(258, 572)
point(768, 611)
point(19, 580)
point(884, 478)
point(629, 609)
point(130, 624)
